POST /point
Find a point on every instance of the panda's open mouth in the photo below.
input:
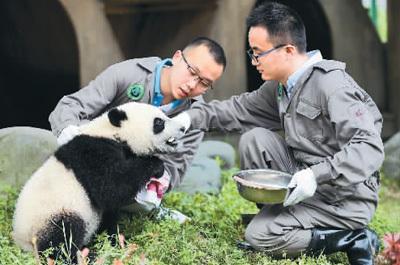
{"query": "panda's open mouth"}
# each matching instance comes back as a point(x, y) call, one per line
point(172, 142)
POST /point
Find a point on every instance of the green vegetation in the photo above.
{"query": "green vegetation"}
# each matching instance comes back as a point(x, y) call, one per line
point(377, 11)
point(208, 239)
point(381, 25)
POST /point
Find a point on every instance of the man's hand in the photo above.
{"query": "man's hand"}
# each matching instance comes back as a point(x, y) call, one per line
point(67, 134)
point(184, 119)
point(304, 184)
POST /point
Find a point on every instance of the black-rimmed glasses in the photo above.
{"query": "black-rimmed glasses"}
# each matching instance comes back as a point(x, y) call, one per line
point(204, 83)
point(255, 57)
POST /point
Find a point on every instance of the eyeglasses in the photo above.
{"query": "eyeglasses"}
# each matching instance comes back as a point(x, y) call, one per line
point(255, 57)
point(203, 83)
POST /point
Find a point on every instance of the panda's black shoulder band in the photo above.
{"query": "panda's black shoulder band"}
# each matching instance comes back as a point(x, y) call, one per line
point(116, 116)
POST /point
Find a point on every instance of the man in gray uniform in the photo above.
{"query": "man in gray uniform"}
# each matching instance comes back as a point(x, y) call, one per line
point(171, 84)
point(331, 142)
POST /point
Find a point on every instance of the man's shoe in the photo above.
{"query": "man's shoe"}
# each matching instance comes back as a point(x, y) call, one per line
point(243, 245)
point(360, 245)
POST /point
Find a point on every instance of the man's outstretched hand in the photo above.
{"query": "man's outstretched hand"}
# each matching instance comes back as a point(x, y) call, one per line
point(67, 134)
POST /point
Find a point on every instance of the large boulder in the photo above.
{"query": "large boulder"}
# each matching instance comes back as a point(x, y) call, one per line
point(204, 175)
point(213, 149)
point(22, 151)
point(391, 164)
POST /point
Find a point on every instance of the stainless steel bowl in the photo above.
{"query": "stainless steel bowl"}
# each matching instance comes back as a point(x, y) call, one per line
point(262, 185)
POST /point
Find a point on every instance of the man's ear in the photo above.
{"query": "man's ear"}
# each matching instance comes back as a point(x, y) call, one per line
point(116, 116)
point(176, 57)
point(290, 49)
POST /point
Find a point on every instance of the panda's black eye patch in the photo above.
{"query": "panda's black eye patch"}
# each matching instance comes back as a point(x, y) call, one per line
point(158, 125)
point(116, 116)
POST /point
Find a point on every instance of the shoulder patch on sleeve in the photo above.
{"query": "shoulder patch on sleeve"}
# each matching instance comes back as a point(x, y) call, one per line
point(360, 115)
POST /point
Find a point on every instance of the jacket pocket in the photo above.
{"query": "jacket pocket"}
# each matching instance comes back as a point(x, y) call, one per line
point(308, 110)
point(309, 121)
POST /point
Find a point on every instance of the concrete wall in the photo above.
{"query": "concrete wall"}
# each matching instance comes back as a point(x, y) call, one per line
point(119, 32)
point(356, 42)
point(229, 29)
point(39, 60)
point(393, 48)
point(103, 32)
point(158, 31)
point(97, 45)
point(105, 38)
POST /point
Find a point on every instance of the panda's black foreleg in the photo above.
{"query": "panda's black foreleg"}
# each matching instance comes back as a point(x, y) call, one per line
point(126, 179)
point(145, 167)
point(64, 231)
point(157, 168)
point(118, 186)
point(109, 223)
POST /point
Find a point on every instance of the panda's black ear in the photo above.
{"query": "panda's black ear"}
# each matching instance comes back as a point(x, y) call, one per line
point(116, 116)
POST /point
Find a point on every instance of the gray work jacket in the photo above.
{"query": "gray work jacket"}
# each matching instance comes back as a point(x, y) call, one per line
point(110, 89)
point(330, 123)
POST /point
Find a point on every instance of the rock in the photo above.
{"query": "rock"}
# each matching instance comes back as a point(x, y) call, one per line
point(391, 164)
point(22, 151)
point(204, 175)
point(212, 149)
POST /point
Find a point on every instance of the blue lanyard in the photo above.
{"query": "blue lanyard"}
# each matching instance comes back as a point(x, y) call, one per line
point(158, 96)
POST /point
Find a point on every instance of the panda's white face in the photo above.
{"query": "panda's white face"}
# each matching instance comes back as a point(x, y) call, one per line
point(145, 128)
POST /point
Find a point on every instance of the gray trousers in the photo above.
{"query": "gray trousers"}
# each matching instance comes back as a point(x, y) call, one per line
point(277, 229)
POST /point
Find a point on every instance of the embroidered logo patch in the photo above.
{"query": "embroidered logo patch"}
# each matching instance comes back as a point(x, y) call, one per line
point(135, 91)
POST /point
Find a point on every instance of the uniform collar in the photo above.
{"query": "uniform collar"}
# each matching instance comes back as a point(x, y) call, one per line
point(313, 58)
point(148, 63)
point(158, 96)
point(330, 65)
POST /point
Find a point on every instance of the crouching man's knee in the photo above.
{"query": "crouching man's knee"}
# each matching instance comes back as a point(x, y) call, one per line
point(263, 241)
point(255, 137)
point(291, 243)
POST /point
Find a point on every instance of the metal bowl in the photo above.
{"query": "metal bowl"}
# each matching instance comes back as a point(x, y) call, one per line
point(262, 185)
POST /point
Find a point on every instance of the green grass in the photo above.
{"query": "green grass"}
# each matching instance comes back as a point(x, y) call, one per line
point(208, 239)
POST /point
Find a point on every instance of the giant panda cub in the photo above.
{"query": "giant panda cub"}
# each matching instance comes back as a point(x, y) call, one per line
point(98, 171)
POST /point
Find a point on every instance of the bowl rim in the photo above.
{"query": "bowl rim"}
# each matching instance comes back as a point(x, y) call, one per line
point(263, 186)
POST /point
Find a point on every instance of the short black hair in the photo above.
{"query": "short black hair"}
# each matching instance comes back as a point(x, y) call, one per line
point(283, 24)
point(216, 50)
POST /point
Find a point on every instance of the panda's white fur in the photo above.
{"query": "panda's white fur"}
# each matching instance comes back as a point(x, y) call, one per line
point(62, 186)
point(142, 115)
point(43, 196)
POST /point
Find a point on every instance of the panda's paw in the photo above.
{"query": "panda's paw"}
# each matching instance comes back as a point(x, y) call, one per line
point(157, 168)
point(159, 172)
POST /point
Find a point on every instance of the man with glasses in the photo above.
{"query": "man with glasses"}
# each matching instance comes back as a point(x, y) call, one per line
point(171, 84)
point(331, 142)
